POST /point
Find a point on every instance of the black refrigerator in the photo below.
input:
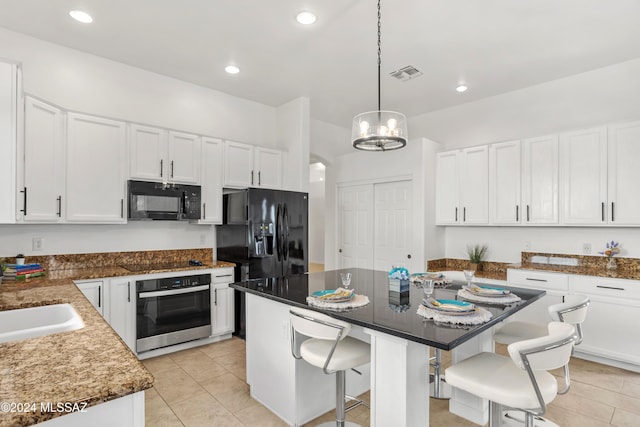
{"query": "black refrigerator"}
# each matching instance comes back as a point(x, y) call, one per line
point(265, 233)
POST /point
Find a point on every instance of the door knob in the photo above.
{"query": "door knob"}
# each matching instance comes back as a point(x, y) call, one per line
point(409, 256)
point(340, 250)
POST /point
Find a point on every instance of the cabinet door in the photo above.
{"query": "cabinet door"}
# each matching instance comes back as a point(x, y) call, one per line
point(211, 181)
point(148, 152)
point(43, 162)
point(267, 165)
point(504, 183)
point(474, 185)
point(447, 176)
point(624, 174)
point(238, 165)
point(184, 158)
point(122, 309)
point(222, 299)
point(94, 291)
point(95, 185)
point(583, 176)
point(9, 96)
point(540, 180)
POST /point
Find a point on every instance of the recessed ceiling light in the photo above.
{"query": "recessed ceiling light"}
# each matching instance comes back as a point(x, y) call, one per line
point(232, 69)
point(462, 88)
point(81, 16)
point(306, 18)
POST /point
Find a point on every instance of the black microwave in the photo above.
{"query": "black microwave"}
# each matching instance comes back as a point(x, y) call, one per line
point(163, 201)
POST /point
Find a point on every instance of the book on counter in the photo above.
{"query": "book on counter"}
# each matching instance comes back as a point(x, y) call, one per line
point(18, 272)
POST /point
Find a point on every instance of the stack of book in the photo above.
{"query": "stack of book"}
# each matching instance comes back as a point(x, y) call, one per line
point(20, 272)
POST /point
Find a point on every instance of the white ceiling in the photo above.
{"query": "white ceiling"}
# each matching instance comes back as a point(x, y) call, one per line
point(494, 46)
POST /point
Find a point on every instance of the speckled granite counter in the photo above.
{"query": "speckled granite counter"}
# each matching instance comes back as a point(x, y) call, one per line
point(91, 365)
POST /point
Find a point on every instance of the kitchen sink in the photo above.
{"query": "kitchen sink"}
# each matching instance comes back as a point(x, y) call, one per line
point(24, 323)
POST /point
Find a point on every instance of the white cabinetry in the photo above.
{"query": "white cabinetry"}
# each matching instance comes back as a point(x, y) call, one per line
point(555, 284)
point(504, 183)
point(43, 170)
point(249, 166)
point(121, 309)
point(94, 291)
point(222, 302)
point(9, 96)
point(157, 154)
point(462, 189)
point(540, 180)
point(583, 176)
point(95, 164)
point(611, 327)
point(624, 174)
point(211, 181)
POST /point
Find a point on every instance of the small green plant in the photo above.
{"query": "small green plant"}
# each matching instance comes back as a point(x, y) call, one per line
point(476, 253)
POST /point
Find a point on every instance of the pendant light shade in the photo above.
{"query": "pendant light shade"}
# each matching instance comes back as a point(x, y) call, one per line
point(379, 130)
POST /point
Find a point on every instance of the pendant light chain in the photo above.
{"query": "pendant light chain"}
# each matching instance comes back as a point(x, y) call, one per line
point(379, 54)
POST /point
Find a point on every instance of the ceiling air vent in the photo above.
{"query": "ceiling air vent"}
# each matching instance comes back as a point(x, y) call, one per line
point(406, 73)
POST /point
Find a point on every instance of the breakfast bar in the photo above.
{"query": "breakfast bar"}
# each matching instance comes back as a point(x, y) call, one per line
point(400, 339)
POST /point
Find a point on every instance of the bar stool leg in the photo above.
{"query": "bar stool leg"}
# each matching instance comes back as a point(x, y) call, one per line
point(340, 404)
point(438, 387)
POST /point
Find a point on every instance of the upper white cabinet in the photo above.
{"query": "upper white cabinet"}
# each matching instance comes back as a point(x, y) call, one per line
point(211, 181)
point(624, 174)
point(95, 165)
point(504, 183)
point(462, 186)
point(249, 166)
point(9, 96)
point(157, 154)
point(583, 176)
point(540, 180)
point(43, 170)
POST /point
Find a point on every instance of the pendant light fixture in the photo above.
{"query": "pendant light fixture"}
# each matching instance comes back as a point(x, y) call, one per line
point(379, 130)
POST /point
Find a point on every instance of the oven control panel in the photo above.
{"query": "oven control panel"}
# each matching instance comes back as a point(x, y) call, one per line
point(173, 282)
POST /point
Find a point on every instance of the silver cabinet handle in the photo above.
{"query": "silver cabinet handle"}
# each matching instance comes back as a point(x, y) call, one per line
point(99, 296)
point(602, 211)
point(517, 213)
point(128, 291)
point(121, 208)
point(464, 214)
point(173, 292)
point(252, 177)
point(259, 178)
point(204, 211)
point(527, 213)
point(610, 287)
point(224, 275)
point(215, 297)
point(59, 206)
point(161, 167)
point(24, 209)
point(535, 280)
point(456, 214)
point(171, 168)
point(613, 210)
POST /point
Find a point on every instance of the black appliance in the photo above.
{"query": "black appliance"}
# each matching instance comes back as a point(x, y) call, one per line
point(172, 310)
point(265, 233)
point(163, 201)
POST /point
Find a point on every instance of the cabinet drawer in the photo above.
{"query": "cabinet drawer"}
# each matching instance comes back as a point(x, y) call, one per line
point(538, 279)
point(618, 288)
point(222, 276)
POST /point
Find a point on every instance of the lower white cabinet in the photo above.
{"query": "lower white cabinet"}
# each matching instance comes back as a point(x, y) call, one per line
point(121, 309)
point(611, 328)
point(222, 302)
point(556, 285)
point(94, 291)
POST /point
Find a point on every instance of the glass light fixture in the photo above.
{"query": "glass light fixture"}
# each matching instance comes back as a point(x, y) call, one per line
point(379, 130)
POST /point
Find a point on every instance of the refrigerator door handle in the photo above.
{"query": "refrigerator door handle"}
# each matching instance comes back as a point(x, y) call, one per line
point(285, 220)
point(279, 232)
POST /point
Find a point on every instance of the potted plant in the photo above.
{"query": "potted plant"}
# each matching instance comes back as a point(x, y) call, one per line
point(476, 254)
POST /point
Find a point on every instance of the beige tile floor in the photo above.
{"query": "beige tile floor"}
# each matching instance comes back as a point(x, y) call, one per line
point(206, 386)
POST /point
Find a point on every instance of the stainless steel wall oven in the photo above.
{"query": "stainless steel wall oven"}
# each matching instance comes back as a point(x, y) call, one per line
point(172, 310)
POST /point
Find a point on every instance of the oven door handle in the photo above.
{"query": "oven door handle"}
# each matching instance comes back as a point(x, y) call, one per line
point(173, 292)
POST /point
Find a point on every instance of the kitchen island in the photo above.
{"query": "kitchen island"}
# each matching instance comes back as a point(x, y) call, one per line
point(400, 341)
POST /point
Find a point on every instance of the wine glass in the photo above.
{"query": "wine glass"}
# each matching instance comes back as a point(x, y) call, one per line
point(346, 280)
point(428, 286)
point(468, 274)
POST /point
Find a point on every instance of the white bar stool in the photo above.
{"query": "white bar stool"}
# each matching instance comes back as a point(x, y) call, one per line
point(518, 382)
point(328, 347)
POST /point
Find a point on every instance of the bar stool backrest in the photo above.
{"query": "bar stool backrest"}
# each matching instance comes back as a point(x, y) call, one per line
point(318, 325)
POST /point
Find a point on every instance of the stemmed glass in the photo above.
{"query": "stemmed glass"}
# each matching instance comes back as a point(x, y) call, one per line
point(346, 280)
point(468, 274)
point(428, 286)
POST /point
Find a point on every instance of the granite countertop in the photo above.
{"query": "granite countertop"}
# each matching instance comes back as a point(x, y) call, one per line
point(584, 270)
point(90, 365)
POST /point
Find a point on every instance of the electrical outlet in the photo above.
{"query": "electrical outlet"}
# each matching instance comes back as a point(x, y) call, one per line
point(37, 244)
point(586, 248)
point(527, 246)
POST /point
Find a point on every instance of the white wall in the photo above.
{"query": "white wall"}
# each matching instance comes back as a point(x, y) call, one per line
point(598, 97)
point(317, 220)
point(95, 85)
point(294, 138)
point(329, 141)
point(416, 161)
